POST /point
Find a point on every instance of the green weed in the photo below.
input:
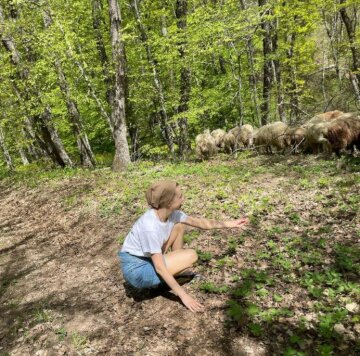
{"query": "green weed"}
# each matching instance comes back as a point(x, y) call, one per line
point(204, 256)
point(225, 262)
point(255, 329)
point(61, 333)
point(210, 287)
point(327, 322)
point(191, 236)
point(42, 316)
point(79, 341)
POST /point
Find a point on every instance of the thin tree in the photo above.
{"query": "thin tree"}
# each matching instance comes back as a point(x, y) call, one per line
point(44, 131)
point(3, 146)
point(252, 75)
point(87, 158)
point(122, 155)
point(185, 84)
point(97, 21)
point(277, 74)
point(267, 63)
point(165, 127)
point(350, 25)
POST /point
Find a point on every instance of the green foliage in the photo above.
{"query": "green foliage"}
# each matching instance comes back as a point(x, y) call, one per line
point(327, 322)
point(210, 287)
point(216, 44)
point(204, 256)
point(61, 333)
point(79, 341)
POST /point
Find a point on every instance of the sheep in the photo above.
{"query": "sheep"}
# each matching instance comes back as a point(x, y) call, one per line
point(246, 135)
point(296, 137)
point(315, 138)
point(243, 135)
point(218, 136)
point(323, 117)
point(344, 133)
point(229, 142)
point(205, 145)
point(272, 135)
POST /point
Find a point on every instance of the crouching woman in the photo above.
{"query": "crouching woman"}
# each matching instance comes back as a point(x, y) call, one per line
point(153, 253)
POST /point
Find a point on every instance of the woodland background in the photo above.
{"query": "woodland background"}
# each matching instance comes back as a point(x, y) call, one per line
point(81, 80)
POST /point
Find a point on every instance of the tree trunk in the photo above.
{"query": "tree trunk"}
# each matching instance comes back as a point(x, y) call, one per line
point(8, 159)
point(240, 105)
point(97, 20)
point(122, 155)
point(252, 77)
point(293, 88)
point(332, 31)
point(267, 72)
point(236, 71)
point(185, 85)
point(350, 25)
point(50, 140)
point(46, 131)
point(24, 159)
point(277, 77)
point(86, 155)
point(165, 127)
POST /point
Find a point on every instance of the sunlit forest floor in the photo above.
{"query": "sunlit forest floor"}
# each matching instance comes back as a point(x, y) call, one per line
point(288, 285)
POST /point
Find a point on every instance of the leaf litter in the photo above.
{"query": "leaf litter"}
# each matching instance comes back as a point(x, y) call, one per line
point(289, 284)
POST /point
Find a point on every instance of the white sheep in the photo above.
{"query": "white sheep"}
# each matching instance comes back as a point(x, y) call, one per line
point(205, 145)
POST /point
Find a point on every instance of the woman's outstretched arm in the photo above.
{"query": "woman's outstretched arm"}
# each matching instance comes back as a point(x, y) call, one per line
point(208, 224)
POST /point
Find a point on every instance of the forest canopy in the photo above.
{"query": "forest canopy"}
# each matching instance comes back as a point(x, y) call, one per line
point(80, 79)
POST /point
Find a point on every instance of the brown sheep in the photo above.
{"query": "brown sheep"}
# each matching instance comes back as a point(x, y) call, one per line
point(205, 145)
point(344, 133)
point(218, 136)
point(315, 140)
point(272, 136)
point(326, 116)
point(296, 137)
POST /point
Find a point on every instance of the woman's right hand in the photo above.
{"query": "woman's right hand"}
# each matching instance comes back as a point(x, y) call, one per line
point(191, 303)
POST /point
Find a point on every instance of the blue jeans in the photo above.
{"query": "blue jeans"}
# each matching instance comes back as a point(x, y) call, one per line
point(139, 271)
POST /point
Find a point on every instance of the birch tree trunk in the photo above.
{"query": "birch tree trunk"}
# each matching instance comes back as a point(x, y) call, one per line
point(185, 85)
point(8, 159)
point(122, 155)
point(165, 127)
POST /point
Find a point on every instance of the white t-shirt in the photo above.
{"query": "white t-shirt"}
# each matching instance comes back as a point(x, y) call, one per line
point(148, 234)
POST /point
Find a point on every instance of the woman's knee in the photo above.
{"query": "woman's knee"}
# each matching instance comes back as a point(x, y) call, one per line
point(193, 256)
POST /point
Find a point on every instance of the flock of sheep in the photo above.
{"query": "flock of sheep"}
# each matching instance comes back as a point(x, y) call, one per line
point(333, 131)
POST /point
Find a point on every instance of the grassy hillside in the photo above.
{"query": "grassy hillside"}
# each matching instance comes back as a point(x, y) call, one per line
point(289, 284)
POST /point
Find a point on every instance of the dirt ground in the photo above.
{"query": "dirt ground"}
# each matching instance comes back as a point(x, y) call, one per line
point(63, 293)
